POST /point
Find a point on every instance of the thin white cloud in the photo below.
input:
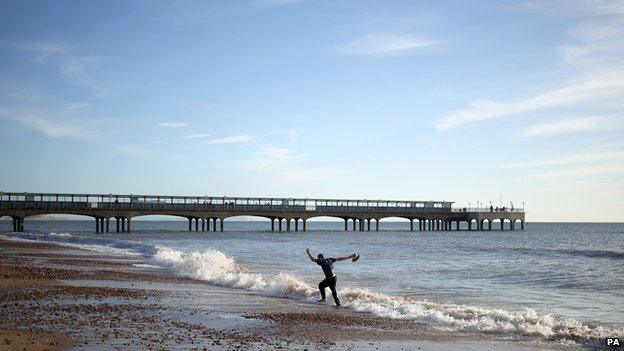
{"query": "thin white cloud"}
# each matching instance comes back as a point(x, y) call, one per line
point(131, 150)
point(570, 125)
point(172, 124)
point(278, 153)
point(195, 136)
point(241, 138)
point(72, 65)
point(383, 44)
point(23, 95)
point(585, 171)
point(576, 158)
point(43, 50)
point(293, 134)
point(594, 50)
point(285, 165)
point(78, 105)
point(597, 88)
point(50, 128)
point(574, 8)
point(598, 41)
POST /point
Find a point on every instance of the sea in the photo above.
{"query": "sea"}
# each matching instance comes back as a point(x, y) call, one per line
point(557, 282)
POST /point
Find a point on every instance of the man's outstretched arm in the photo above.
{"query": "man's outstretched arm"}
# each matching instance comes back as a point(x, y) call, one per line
point(345, 258)
point(310, 255)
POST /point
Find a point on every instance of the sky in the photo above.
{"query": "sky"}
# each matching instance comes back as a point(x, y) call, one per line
point(409, 100)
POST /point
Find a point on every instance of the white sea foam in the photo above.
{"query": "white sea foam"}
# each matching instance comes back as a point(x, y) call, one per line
point(217, 268)
point(86, 243)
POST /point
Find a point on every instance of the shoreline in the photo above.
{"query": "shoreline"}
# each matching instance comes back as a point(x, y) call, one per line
point(74, 298)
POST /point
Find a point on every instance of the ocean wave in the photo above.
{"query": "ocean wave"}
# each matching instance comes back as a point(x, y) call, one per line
point(216, 267)
point(104, 245)
point(608, 254)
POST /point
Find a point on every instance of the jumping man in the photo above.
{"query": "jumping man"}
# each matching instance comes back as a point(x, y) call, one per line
point(327, 264)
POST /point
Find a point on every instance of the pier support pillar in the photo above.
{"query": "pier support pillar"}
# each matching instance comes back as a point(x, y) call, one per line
point(521, 225)
point(346, 224)
point(203, 225)
point(288, 224)
point(502, 224)
point(117, 224)
point(304, 224)
point(196, 224)
point(354, 224)
point(272, 224)
point(129, 221)
point(279, 221)
point(411, 225)
point(97, 225)
point(190, 224)
point(368, 222)
point(123, 224)
point(470, 225)
point(221, 220)
point(489, 225)
point(107, 224)
point(511, 225)
point(296, 224)
point(377, 225)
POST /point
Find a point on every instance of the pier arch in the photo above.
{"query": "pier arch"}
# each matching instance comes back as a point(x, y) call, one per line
point(502, 224)
point(230, 220)
point(146, 217)
point(405, 222)
point(489, 224)
point(99, 220)
point(6, 223)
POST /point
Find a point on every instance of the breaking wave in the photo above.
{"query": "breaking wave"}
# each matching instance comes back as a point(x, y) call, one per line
point(104, 245)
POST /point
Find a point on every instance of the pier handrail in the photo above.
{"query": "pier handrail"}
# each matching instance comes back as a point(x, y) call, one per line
point(487, 209)
point(218, 200)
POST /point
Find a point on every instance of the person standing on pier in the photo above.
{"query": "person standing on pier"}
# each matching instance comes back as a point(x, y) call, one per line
point(327, 264)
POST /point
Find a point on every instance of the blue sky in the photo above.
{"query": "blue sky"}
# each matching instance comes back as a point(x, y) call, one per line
point(344, 99)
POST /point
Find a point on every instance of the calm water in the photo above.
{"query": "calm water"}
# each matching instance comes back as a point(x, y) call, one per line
point(564, 269)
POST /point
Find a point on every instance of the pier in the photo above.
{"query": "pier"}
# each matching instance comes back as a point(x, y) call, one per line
point(206, 213)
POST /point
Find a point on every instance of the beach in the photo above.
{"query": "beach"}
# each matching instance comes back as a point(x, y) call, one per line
point(55, 297)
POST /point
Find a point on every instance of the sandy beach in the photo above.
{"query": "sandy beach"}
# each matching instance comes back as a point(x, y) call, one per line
point(55, 297)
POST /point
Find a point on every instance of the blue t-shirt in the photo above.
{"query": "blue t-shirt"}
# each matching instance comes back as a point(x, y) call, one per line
point(328, 265)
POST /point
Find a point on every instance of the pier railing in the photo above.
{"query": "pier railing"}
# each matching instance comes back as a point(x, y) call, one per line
point(488, 209)
point(209, 203)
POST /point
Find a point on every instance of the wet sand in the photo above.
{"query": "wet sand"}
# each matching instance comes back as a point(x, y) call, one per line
point(54, 297)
